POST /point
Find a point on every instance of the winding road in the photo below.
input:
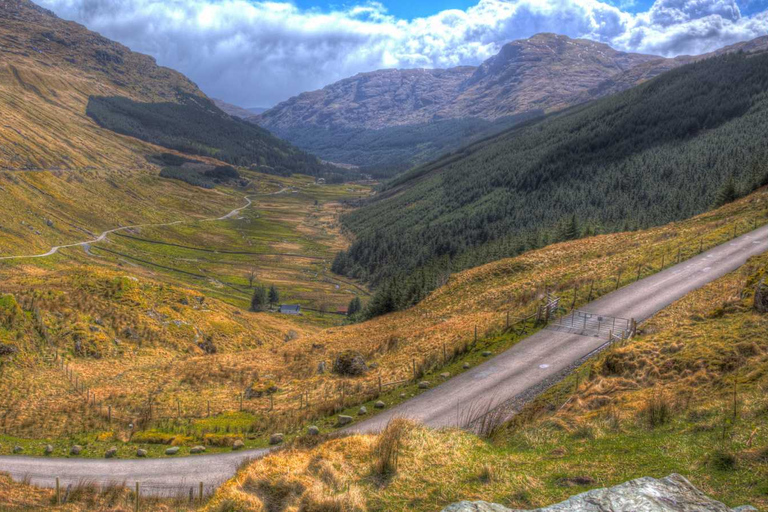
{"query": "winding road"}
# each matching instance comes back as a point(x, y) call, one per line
point(520, 372)
point(104, 235)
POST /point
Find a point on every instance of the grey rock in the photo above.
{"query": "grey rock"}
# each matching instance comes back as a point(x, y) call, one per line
point(402, 395)
point(197, 449)
point(276, 439)
point(173, 450)
point(465, 366)
point(445, 375)
point(487, 353)
point(321, 367)
point(373, 366)
point(423, 384)
point(670, 494)
point(18, 449)
point(141, 452)
point(349, 363)
point(344, 420)
point(313, 431)
point(379, 404)
point(48, 449)
point(239, 444)
point(111, 453)
point(75, 450)
point(362, 411)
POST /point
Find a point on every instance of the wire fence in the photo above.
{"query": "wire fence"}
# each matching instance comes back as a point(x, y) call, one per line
point(553, 305)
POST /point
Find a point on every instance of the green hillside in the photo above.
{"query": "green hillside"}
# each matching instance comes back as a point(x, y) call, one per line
point(194, 125)
point(666, 150)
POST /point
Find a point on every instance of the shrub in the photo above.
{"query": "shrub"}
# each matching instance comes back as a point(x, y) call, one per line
point(657, 410)
point(723, 460)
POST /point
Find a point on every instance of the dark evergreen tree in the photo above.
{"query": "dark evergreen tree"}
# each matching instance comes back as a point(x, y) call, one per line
point(259, 300)
point(274, 295)
point(727, 193)
point(355, 306)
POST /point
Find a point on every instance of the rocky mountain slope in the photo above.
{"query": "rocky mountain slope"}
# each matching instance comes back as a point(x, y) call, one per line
point(396, 118)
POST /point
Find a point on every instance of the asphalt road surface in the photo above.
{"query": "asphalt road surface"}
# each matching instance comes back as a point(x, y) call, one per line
point(526, 368)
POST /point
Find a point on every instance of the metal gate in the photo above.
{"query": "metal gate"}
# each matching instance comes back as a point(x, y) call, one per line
point(592, 324)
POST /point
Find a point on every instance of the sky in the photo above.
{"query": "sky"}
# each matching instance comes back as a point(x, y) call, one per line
point(258, 53)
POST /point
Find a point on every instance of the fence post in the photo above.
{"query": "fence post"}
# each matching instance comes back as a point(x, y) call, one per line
point(591, 287)
point(201, 492)
point(475, 334)
point(178, 408)
point(445, 355)
point(678, 254)
point(413, 363)
point(58, 492)
point(209, 408)
point(109, 413)
point(379, 383)
point(701, 245)
point(618, 280)
point(639, 269)
point(507, 324)
point(662, 261)
point(136, 503)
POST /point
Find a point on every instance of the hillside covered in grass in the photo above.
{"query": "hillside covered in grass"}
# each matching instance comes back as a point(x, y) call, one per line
point(663, 151)
point(73, 99)
point(687, 396)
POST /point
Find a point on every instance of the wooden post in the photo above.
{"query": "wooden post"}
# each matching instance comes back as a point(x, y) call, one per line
point(58, 492)
point(639, 269)
point(136, 503)
point(209, 410)
point(701, 245)
point(413, 363)
point(109, 413)
point(591, 287)
point(507, 324)
point(445, 354)
point(678, 254)
point(242, 395)
point(272, 401)
point(662, 261)
point(475, 334)
point(618, 280)
point(301, 401)
point(379, 383)
point(201, 492)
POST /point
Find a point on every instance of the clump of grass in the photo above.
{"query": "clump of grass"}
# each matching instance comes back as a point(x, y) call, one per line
point(657, 410)
point(487, 473)
point(388, 445)
point(723, 460)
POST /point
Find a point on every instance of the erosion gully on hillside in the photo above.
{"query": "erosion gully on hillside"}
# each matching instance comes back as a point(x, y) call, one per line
point(519, 373)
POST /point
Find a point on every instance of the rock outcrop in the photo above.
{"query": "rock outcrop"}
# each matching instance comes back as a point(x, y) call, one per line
point(761, 297)
point(671, 494)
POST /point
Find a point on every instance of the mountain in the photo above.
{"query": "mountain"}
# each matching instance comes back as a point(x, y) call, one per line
point(74, 99)
point(412, 115)
point(665, 150)
point(235, 111)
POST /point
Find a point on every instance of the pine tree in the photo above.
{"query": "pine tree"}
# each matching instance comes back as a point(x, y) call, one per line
point(274, 295)
point(355, 306)
point(259, 299)
point(571, 230)
point(727, 193)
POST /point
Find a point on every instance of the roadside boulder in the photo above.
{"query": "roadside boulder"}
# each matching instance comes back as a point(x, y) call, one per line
point(350, 364)
point(670, 494)
point(445, 375)
point(379, 405)
point(141, 452)
point(75, 450)
point(362, 411)
point(18, 449)
point(487, 353)
point(238, 444)
point(465, 366)
point(424, 384)
point(173, 450)
point(321, 368)
point(313, 431)
point(761, 297)
point(197, 449)
point(48, 449)
point(276, 439)
point(343, 420)
point(111, 453)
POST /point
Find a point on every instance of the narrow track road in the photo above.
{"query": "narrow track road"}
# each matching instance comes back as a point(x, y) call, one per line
point(523, 370)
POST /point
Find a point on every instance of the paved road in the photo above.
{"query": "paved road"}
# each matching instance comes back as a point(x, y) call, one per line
point(529, 365)
point(87, 243)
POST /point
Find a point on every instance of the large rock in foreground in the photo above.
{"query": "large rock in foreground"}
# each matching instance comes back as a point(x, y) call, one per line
point(671, 494)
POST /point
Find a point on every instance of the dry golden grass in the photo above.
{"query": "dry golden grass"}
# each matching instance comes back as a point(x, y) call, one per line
point(159, 359)
point(664, 402)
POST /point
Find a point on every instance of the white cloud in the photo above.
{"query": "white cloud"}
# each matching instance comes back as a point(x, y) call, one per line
point(258, 53)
